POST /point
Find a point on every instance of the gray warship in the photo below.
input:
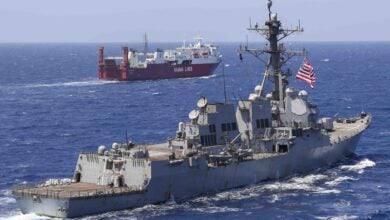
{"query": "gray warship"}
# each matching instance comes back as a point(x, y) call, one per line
point(270, 135)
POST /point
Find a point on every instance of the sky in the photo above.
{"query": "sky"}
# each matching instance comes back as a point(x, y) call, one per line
point(103, 21)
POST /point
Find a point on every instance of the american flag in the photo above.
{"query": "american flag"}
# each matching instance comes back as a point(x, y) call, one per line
point(306, 73)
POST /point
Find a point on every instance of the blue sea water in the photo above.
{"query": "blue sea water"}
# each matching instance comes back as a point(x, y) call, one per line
point(52, 106)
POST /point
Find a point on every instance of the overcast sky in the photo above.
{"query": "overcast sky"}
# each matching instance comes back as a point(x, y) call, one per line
point(176, 20)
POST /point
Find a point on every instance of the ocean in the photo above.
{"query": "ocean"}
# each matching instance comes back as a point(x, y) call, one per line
point(52, 106)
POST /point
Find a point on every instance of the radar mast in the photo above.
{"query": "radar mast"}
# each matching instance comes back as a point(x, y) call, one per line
point(278, 55)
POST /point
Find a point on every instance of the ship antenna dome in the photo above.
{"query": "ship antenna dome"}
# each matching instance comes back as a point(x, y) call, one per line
point(274, 16)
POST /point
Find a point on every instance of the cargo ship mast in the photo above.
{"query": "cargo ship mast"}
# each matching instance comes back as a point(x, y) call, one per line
point(278, 55)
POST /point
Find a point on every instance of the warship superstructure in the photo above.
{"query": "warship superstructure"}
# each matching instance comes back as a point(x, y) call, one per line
point(193, 60)
point(267, 136)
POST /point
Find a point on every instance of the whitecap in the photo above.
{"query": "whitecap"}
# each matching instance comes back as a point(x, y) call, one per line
point(321, 190)
point(286, 187)
point(343, 217)
point(71, 84)
point(309, 179)
point(24, 217)
point(7, 200)
point(274, 198)
point(325, 60)
point(208, 77)
point(216, 209)
point(359, 167)
point(339, 180)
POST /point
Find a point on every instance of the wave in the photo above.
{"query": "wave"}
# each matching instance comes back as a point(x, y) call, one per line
point(71, 84)
point(339, 180)
point(216, 209)
point(5, 197)
point(200, 77)
point(157, 93)
point(208, 77)
point(275, 190)
point(7, 200)
point(342, 217)
point(360, 166)
point(24, 217)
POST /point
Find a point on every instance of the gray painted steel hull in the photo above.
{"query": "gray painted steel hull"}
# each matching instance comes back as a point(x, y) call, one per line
point(183, 181)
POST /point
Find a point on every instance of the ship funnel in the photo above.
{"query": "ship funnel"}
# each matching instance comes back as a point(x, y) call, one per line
point(101, 54)
point(125, 54)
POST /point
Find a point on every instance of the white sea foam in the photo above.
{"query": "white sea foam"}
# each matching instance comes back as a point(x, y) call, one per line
point(24, 217)
point(7, 200)
point(274, 198)
point(339, 180)
point(343, 217)
point(208, 77)
point(325, 60)
point(278, 188)
point(72, 84)
point(297, 183)
point(5, 197)
point(215, 209)
point(359, 167)
point(309, 179)
point(320, 190)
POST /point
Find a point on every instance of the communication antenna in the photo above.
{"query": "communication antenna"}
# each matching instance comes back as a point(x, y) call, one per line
point(224, 82)
point(145, 43)
point(127, 140)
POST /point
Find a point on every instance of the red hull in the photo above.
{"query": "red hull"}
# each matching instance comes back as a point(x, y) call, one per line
point(110, 71)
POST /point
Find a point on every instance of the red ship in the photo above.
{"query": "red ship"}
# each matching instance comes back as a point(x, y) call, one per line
point(194, 60)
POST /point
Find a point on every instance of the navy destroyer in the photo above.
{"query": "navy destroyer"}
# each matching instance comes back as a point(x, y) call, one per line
point(270, 135)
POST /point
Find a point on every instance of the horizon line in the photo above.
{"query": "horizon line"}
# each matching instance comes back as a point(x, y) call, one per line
point(154, 42)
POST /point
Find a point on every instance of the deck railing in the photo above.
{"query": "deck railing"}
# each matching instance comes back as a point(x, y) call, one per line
point(59, 193)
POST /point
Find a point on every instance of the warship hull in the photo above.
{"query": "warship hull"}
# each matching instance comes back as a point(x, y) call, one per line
point(193, 178)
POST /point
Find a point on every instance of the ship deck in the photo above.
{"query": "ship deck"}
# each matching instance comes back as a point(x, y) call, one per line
point(349, 128)
point(162, 152)
point(74, 190)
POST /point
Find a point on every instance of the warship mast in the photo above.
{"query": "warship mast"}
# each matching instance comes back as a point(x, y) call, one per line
point(278, 55)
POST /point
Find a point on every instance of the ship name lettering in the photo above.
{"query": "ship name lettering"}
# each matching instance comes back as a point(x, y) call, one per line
point(182, 69)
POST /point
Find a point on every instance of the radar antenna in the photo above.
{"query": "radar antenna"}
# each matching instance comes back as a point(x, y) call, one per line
point(269, 5)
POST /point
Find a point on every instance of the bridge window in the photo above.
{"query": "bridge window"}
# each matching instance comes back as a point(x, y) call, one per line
point(109, 165)
point(234, 126)
point(208, 140)
point(283, 148)
point(229, 126)
point(212, 128)
point(223, 127)
point(262, 123)
point(297, 132)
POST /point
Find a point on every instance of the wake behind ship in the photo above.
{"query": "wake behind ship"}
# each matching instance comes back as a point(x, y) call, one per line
point(194, 60)
point(271, 134)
